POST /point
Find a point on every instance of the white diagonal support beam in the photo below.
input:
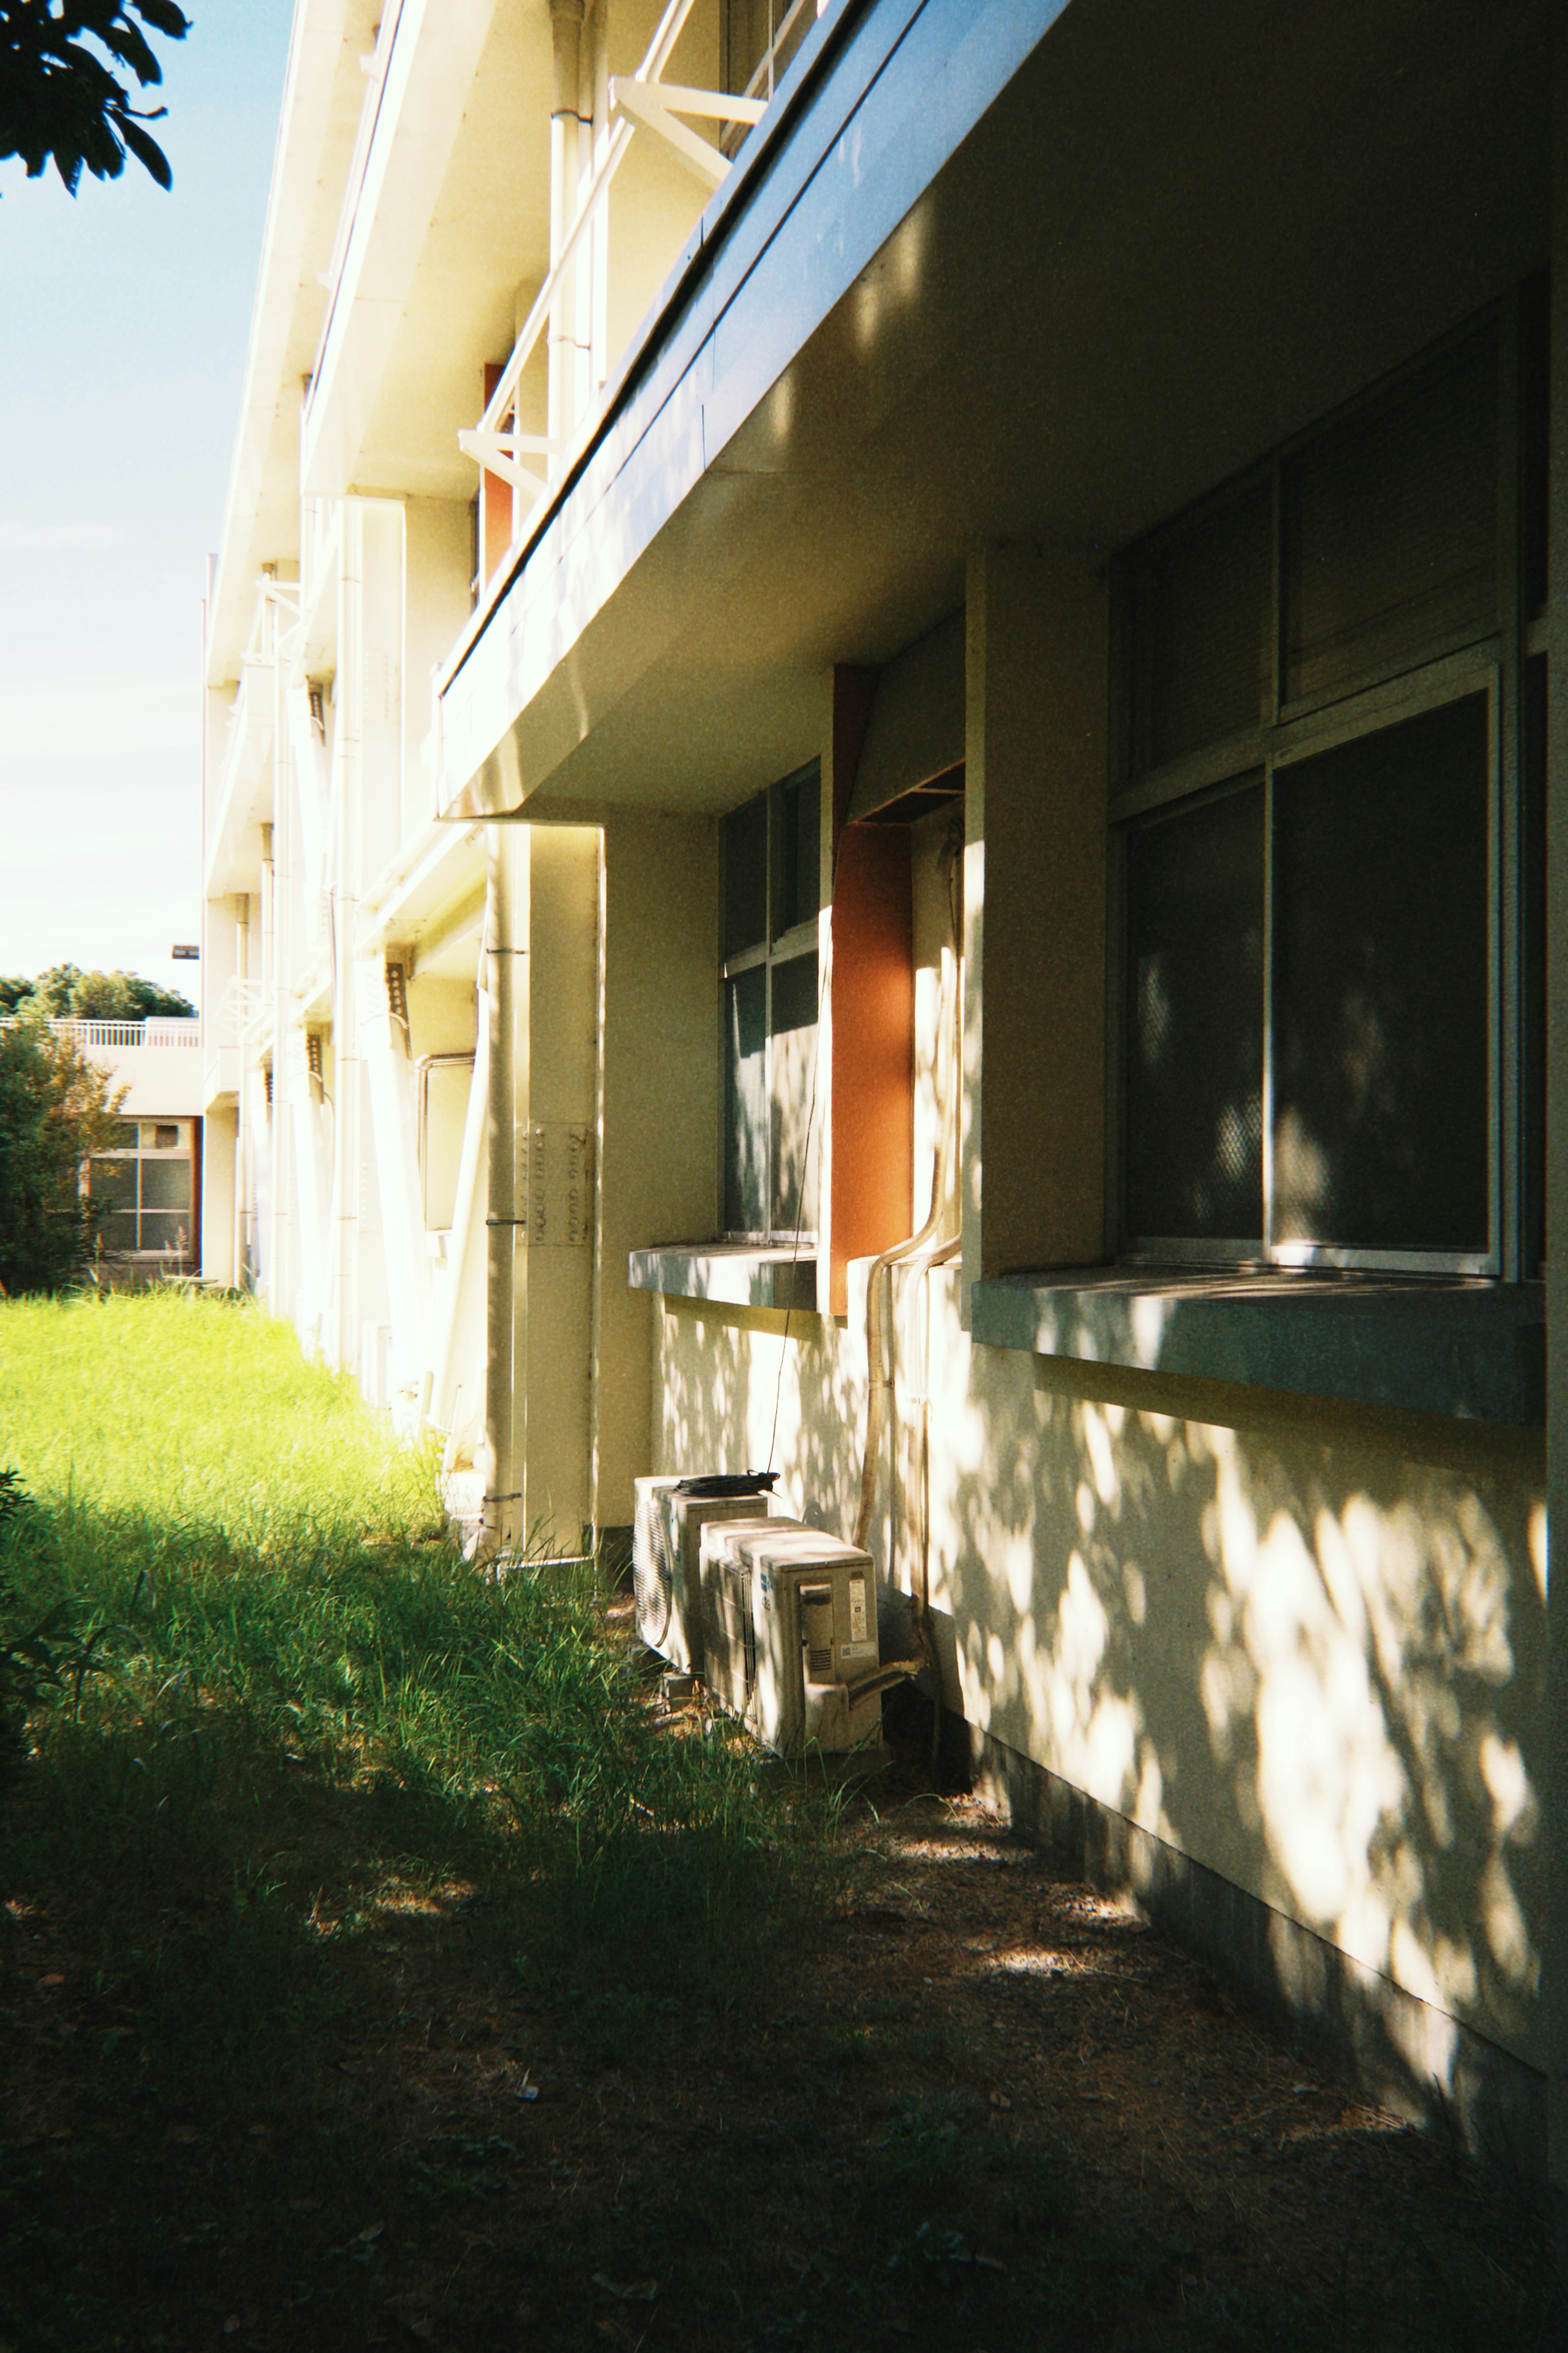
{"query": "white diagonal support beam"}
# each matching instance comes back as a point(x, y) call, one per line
point(659, 106)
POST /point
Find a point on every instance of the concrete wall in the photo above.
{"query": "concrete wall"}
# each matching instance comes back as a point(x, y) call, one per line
point(659, 1167)
point(1295, 1645)
point(1303, 1646)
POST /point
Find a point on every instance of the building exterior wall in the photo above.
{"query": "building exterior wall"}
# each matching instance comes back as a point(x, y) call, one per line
point(828, 463)
point(1304, 1645)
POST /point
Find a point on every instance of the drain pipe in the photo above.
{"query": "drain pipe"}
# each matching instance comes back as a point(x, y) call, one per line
point(565, 120)
point(506, 931)
point(347, 745)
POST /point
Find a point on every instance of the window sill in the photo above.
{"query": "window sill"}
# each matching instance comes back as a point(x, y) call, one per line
point(735, 1275)
point(1461, 1347)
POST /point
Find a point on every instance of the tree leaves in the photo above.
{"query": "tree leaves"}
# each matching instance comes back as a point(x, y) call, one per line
point(55, 1110)
point(61, 98)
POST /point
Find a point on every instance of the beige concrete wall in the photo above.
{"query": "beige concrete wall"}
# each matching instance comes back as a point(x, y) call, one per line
point(1304, 1644)
point(659, 1122)
point(219, 1139)
point(1035, 689)
point(437, 562)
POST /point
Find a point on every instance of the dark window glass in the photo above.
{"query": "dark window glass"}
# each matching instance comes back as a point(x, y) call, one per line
point(1202, 607)
point(1380, 989)
point(751, 28)
point(1532, 959)
point(746, 1103)
point(164, 1231)
point(165, 1184)
point(1391, 528)
point(793, 1071)
point(746, 876)
point(799, 816)
point(120, 1232)
point(1534, 423)
point(114, 1181)
point(1195, 1025)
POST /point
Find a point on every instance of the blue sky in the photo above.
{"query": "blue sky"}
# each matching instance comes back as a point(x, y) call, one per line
point(126, 315)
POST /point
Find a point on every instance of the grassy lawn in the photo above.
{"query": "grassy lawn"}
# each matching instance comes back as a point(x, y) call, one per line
point(381, 1964)
point(307, 1738)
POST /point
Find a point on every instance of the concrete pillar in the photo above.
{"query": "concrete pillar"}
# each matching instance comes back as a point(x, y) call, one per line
point(661, 1111)
point(1035, 913)
point(543, 925)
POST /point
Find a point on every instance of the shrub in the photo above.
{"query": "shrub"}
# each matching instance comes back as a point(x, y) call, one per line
point(55, 1110)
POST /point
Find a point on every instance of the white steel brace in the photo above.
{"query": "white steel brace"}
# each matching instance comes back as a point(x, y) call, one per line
point(657, 106)
point(498, 453)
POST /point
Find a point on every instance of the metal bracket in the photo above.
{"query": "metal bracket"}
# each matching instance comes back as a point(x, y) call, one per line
point(498, 453)
point(657, 106)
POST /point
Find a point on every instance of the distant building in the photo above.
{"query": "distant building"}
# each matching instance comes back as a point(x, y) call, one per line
point(153, 1175)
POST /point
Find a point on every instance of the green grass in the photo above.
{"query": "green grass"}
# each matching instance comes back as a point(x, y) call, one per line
point(306, 1727)
point(269, 1566)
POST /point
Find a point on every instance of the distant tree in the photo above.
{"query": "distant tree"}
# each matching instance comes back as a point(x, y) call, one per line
point(60, 97)
point(12, 992)
point(55, 1110)
point(66, 993)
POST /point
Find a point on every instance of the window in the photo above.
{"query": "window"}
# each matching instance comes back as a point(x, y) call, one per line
point(771, 896)
point(149, 1182)
point(1329, 842)
point(757, 40)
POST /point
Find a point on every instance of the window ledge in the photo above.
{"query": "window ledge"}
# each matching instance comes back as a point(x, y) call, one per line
point(736, 1274)
point(1468, 1348)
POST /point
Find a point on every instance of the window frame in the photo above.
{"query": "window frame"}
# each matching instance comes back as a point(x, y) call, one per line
point(136, 1155)
point(1492, 660)
point(784, 945)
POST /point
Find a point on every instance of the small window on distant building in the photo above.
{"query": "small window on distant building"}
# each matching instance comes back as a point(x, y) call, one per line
point(148, 1185)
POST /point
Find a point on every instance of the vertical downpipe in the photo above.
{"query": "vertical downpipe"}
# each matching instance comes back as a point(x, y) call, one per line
point(566, 45)
point(245, 1124)
point(270, 998)
point(506, 951)
point(598, 238)
point(345, 911)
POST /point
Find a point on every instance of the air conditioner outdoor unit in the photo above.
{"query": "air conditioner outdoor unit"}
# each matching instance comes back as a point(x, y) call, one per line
point(670, 1516)
point(789, 1627)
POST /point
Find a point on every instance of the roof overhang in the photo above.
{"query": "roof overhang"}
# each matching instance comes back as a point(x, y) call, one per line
point(996, 270)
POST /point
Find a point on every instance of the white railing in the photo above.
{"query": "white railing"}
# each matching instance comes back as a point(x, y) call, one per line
point(644, 101)
point(164, 1030)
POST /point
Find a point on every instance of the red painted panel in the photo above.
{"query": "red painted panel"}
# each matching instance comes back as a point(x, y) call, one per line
point(495, 535)
point(872, 1158)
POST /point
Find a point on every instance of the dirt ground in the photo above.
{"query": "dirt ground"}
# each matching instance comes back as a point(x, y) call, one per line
point(983, 2110)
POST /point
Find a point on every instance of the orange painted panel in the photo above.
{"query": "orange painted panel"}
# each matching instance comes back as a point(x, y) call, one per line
point(495, 535)
point(872, 1158)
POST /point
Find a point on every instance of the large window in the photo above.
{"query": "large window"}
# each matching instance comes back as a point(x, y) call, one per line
point(1330, 842)
point(149, 1182)
point(771, 896)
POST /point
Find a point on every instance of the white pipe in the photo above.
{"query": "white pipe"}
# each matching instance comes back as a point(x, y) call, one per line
point(506, 934)
point(566, 45)
point(459, 1339)
point(347, 743)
